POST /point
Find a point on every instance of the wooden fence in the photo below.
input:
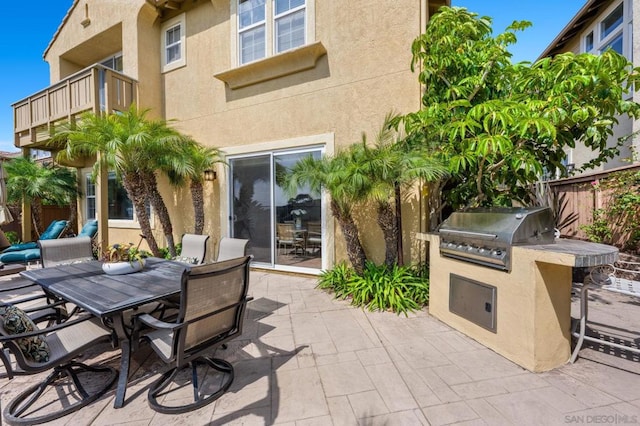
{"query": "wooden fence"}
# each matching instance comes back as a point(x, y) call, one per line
point(584, 195)
point(49, 214)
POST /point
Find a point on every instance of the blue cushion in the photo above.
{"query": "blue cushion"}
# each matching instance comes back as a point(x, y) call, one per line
point(21, 246)
point(22, 256)
point(89, 229)
point(54, 230)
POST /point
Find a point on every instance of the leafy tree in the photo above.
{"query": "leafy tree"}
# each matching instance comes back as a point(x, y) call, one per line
point(499, 125)
point(130, 145)
point(39, 184)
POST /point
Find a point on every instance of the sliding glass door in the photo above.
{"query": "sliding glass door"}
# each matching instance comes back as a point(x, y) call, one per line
point(284, 229)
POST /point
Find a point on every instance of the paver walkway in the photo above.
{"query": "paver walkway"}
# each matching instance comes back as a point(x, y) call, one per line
point(307, 359)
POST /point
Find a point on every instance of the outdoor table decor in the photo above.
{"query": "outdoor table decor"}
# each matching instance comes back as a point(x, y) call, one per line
point(120, 259)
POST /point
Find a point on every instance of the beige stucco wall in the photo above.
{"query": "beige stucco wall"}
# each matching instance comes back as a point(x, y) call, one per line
point(533, 304)
point(363, 76)
point(626, 126)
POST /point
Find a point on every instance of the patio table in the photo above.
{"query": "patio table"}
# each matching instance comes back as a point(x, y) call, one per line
point(109, 296)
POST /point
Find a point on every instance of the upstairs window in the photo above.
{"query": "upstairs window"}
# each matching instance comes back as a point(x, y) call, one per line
point(588, 42)
point(611, 31)
point(114, 62)
point(173, 46)
point(252, 30)
point(289, 25)
point(267, 27)
point(173, 43)
point(612, 22)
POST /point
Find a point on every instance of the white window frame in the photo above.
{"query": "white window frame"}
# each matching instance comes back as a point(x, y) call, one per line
point(270, 18)
point(178, 21)
point(113, 223)
point(252, 27)
point(289, 12)
point(114, 58)
point(623, 30)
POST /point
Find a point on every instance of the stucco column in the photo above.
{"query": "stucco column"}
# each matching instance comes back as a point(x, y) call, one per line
point(102, 206)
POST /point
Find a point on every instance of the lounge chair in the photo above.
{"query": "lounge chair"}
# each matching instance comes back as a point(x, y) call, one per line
point(90, 229)
point(27, 252)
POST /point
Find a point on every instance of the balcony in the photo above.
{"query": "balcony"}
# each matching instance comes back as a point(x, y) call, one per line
point(95, 88)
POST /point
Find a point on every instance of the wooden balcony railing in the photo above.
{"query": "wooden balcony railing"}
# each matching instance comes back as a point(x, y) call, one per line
point(95, 88)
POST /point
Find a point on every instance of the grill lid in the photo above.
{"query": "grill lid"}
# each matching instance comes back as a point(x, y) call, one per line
point(510, 225)
point(486, 235)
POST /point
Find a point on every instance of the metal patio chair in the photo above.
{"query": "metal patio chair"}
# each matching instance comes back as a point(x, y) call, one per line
point(622, 277)
point(65, 251)
point(231, 248)
point(213, 300)
point(287, 236)
point(194, 249)
point(65, 342)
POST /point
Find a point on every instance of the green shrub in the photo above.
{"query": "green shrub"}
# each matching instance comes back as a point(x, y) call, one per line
point(399, 289)
point(618, 221)
point(337, 279)
point(12, 237)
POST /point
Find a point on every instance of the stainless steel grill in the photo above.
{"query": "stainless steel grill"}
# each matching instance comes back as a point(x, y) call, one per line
point(485, 235)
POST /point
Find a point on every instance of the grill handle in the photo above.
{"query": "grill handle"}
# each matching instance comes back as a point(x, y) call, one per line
point(469, 234)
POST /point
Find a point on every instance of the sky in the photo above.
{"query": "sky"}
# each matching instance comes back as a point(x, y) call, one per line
point(32, 24)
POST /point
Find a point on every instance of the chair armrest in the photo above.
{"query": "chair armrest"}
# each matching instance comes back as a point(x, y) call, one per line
point(23, 300)
point(47, 330)
point(153, 322)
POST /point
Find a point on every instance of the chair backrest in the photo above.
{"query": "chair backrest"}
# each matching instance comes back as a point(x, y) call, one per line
point(194, 249)
point(90, 229)
point(212, 304)
point(54, 230)
point(314, 228)
point(65, 250)
point(231, 248)
point(285, 231)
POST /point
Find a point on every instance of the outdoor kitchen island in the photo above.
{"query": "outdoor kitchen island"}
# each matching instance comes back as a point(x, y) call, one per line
point(523, 313)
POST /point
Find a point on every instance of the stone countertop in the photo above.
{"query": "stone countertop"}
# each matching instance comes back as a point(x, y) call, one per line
point(583, 253)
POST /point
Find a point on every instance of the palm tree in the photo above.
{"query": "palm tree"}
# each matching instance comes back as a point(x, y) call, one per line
point(130, 145)
point(338, 176)
point(190, 165)
point(37, 184)
point(386, 167)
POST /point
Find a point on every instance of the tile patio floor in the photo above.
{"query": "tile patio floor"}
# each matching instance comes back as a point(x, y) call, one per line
point(306, 359)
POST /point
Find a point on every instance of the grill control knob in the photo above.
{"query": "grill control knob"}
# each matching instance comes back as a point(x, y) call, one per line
point(496, 252)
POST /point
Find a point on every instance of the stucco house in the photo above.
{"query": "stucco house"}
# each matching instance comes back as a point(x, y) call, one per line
point(599, 25)
point(267, 82)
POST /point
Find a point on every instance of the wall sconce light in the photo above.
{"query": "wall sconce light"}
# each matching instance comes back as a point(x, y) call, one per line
point(210, 175)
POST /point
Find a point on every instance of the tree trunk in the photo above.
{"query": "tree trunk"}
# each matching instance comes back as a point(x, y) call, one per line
point(36, 217)
point(73, 213)
point(387, 223)
point(197, 196)
point(398, 200)
point(136, 193)
point(355, 251)
point(159, 207)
